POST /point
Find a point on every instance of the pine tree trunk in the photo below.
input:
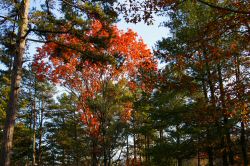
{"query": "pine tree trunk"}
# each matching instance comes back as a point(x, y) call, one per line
point(15, 86)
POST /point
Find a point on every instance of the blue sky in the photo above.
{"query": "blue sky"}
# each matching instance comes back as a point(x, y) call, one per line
point(149, 33)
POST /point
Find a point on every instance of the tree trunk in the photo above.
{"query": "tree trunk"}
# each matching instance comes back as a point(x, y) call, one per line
point(161, 134)
point(210, 157)
point(178, 142)
point(105, 159)
point(105, 155)
point(224, 151)
point(243, 140)
point(243, 143)
point(15, 86)
point(34, 132)
point(226, 143)
point(179, 161)
point(135, 153)
point(204, 90)
point(76, 140)
point(40, 134)
point(127, 153)
point(94, 149)
point(213, 102)
point(146, 149)
point(63, 157)
point(198, 158)
point(211, 85)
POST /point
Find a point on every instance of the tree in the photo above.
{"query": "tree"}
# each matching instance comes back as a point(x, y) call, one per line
point(90, 80)
point(15, 84)
point(65, 140)
point(42, 23)
point(203, 49)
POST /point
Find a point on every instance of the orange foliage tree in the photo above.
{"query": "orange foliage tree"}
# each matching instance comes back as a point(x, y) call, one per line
point(119, 56)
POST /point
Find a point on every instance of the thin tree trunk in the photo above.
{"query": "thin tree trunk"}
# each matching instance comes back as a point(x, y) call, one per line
point(243, 139)
point(109, 157)
point(34, 132)
point(204, 89)
point(225, 144)
point(63, 157)
point(15, 86)
point(203, 80)
point(105, 155)
point(146, 150)
point(127, 153)
point(148, 154)
point(105, 160)
point(135, 153)
point(243, 143)
point(140, 157)
point(94, 149)
point(210, 83)
point(63, 148)
point(224, 151)
point(40, 135)
point(213, 102)
point(198, 158)
point(210, 157)
point(161, 134)
point(76, 140)
point(179, 159)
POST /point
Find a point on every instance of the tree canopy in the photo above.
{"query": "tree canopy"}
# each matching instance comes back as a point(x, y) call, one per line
point(93, 94)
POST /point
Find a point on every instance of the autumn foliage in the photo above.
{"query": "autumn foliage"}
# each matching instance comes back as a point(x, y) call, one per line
point(85, 64)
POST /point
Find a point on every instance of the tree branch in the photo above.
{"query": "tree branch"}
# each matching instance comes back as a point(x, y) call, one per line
point(223, 8)
point(48, 31)
point(5, 18)
point(74, 48)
